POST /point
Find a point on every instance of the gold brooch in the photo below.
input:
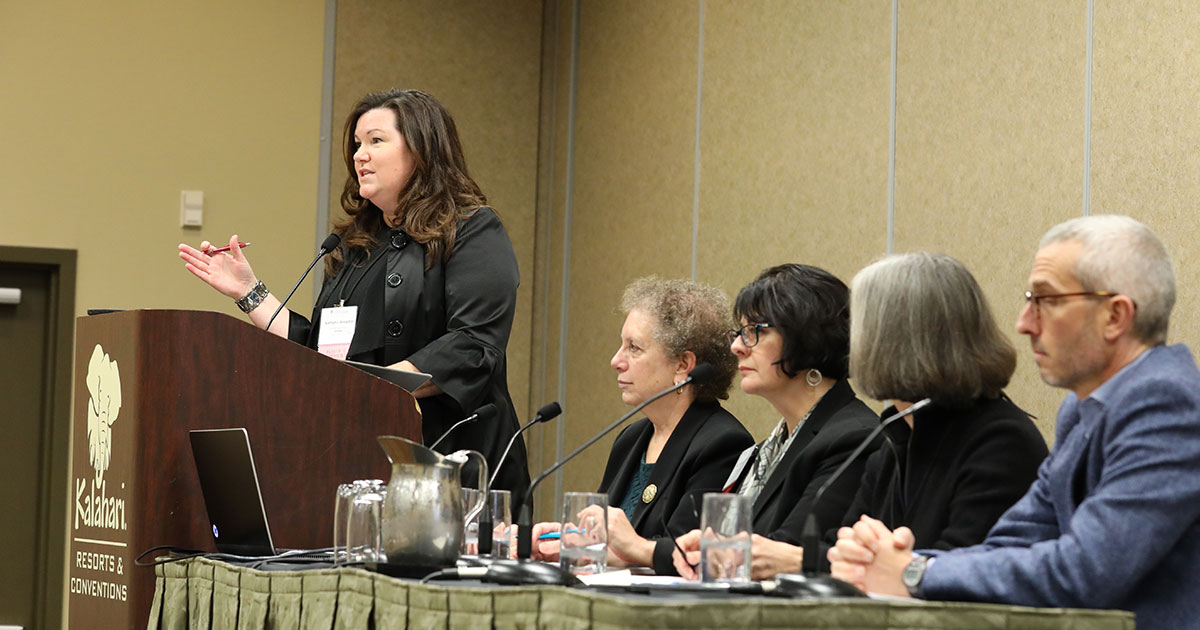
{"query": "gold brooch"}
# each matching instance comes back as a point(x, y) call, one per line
point(649, 493)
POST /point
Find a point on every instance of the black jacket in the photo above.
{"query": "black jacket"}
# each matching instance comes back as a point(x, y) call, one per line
point(452, 321)
point(696, 459)
point(838, 424)
point(953, 474)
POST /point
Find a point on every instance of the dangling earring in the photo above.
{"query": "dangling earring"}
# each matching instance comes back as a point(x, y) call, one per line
point(679, 391)
point(813, 377)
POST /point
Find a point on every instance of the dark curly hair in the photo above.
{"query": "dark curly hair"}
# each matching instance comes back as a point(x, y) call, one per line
point(439, 192)
point(810, 308)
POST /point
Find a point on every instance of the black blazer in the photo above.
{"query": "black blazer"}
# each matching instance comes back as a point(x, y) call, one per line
point(952, 475)
point(838, 424)
point(696, 459)
point(452, 320)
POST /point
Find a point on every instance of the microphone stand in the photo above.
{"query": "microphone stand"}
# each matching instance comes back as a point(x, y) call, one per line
point(811, 534)
point(327, 246)
point(545, 414)
point(524, 571)
point(483, 413)
point(525, 522)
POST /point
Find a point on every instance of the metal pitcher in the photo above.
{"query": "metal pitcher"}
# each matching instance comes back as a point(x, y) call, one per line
point(423, 512)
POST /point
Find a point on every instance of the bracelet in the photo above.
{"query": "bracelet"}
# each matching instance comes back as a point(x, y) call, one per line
point(253, 298)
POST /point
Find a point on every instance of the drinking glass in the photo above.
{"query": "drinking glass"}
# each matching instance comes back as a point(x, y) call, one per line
point(341, 508)
point(501, 503)
point(470, 544)
point(501, 506)
point(725, 538)
point(583, 547)
point(364, 524)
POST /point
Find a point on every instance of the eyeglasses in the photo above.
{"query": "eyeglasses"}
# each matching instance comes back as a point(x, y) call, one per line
point(748, 333)
point(1035, 299)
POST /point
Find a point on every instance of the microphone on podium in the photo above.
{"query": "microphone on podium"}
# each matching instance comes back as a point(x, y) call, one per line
point(545, 414)
point(329, 244)
point(486, 412)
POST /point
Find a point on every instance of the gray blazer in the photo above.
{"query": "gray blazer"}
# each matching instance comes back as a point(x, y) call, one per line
point(1113, 520)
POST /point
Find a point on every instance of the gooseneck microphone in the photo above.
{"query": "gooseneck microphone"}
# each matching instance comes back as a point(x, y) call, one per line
point(812, 533)
point(327, 245)
point(486, 412)
point(700, 373)
point(545, 414)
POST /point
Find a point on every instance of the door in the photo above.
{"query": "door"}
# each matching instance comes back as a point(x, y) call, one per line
point(35, 424)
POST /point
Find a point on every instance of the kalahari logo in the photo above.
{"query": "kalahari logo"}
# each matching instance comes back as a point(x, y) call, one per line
point(104, 403)
point(95, 508)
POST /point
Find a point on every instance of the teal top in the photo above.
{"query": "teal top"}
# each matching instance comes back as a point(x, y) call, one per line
point(637, 484)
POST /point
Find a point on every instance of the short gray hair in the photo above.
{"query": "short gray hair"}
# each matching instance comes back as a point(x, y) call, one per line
point(688, 316)
point(921, 327)
point(1122, 255)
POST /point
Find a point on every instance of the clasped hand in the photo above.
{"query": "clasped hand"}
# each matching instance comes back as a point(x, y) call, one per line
point(872, 557)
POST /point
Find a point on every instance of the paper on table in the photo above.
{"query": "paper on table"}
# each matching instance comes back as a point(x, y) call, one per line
point(626, 578)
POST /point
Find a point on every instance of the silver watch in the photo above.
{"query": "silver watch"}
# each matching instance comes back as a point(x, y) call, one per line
point(253, 298)
point(914, 573)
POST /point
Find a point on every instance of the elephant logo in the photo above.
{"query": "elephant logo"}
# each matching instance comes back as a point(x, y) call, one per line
point(104, 403)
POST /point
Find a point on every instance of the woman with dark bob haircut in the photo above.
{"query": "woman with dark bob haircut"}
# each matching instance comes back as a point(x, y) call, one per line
point(661, 465)
point(425, 274)
point(954, 466)
point(792, 349)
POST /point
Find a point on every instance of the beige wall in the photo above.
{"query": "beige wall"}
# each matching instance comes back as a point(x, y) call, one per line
point(111, 109)
point(992, 147)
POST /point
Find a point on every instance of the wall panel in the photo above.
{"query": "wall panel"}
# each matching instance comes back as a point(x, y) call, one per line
point(794, 144)
point(989, 145)
point(635, 129)
point(1146, 130)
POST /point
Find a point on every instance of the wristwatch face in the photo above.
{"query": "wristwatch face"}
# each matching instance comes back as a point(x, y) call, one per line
point(913, 573)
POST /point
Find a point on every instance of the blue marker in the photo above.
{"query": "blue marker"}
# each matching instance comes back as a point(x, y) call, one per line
point(558, 535)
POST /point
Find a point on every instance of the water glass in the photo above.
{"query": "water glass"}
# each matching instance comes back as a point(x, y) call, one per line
point(501, 506)
point(725, 538)
point(501, 502)
point(343, 496)
point(470, 522)
point(364, 524)
point(583, 546)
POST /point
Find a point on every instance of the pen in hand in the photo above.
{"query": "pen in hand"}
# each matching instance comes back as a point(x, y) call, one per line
point(217, 250)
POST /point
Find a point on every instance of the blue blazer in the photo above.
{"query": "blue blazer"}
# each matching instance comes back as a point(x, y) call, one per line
point(1113, 519)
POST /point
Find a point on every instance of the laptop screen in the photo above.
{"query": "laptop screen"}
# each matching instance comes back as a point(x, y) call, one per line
point(232, 495)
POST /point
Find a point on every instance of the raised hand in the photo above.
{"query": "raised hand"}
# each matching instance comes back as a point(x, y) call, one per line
point(228, 272)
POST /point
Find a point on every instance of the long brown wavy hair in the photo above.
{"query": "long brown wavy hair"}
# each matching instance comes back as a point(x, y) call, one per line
point(439, 192)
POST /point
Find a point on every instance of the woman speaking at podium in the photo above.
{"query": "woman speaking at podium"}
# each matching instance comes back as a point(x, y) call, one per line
point(425, 278)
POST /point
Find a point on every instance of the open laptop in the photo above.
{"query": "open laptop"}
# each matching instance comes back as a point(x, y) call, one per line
point(232, 496)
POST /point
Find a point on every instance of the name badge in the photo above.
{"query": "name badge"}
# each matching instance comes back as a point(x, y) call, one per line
point(337, 330)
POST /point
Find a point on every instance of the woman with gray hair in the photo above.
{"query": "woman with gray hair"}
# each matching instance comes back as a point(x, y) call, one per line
point(661, 465)
point(920, 327)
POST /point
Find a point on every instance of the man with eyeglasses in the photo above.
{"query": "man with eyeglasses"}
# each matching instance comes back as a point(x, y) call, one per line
point(1113, 519)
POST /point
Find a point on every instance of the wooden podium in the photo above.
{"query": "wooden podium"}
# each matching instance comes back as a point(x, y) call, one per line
point(142, 380)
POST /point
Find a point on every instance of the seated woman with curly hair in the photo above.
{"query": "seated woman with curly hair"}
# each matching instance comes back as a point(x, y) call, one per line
point(661, 465)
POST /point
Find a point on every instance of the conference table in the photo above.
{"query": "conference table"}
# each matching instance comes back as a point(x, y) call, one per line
point(204, 593)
